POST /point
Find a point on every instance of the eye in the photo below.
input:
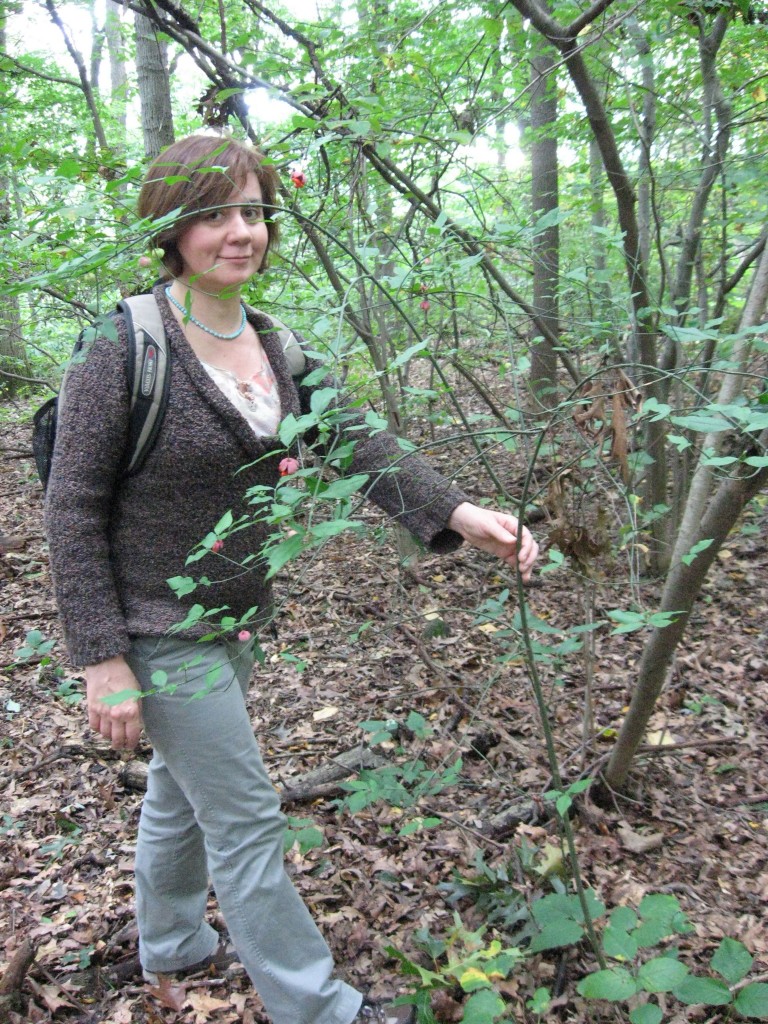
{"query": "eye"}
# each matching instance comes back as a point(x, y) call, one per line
point(213, 215)
point(253, 214)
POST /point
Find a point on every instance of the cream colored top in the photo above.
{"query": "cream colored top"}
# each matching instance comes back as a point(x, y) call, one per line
point(256, 399)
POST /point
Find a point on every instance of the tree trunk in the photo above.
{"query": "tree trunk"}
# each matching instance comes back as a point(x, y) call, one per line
point(118, 75)
point(566, 40)
point(13, 356)
point(702, 482)
point(86, 84)
point(716, 143)
point(154, 88)
point(704, 519)
point(682, 588)
point(646, 129)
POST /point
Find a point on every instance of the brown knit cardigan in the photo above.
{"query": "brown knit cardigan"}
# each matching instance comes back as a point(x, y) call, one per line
point(115, 541)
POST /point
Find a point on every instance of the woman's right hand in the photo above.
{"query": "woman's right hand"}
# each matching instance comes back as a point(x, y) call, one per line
point(119, 723)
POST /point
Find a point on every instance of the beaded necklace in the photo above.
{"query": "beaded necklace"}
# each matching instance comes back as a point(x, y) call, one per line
point(201, 325)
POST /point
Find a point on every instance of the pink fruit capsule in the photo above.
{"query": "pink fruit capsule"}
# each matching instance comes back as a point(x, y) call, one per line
point(287, 466)
point(244, 635)
point(217, 546)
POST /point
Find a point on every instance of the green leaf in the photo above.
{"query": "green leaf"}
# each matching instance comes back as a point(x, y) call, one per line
point(539, 1001)
point(321, 399)
point(681, 443)
point(659, 907)
point(614, 984)
point(758, 461)
point(121, 697)
point(556, 560)
point(709, 991)
point(628, 622)
point(701, 546)
point(472, 978)
point(224, 523)
point(420, 348)
point(283, 552)
point(68, 168)
point(553, 936)
point(661, 974)
point(718, 460)
point(331, 528)
point(732, 960)
point(549, 220)
point(623, 918)
point(702, 423)
point(483, 1007)
point(345, 487)
point(418, 825)
point(555, 908)
point(655, 409)
point(752, 1001)
point(648, 1013)
point(159, 679)
point(181, 585)
point(619, 944)
point(563, 804)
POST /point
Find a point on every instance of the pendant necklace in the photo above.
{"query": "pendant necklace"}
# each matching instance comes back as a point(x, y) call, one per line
point(198, 323)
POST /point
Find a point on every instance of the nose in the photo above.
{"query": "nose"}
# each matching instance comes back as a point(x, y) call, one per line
point(238, 226)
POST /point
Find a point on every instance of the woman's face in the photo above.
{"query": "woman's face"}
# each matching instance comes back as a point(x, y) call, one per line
point(224, 247)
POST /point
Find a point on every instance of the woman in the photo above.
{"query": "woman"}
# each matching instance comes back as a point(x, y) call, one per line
point(115, 541)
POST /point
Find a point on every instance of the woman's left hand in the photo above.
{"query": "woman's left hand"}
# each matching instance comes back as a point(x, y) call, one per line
point(497, 532)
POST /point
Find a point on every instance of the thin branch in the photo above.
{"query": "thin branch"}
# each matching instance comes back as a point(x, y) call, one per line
point(587, 17)
point(41, 74)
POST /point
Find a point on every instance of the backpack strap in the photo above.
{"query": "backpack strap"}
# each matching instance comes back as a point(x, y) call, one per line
point(292, 350)
point(149, 376)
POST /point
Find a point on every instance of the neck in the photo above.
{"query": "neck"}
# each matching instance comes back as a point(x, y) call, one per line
point(215, 314)
point(216, 309)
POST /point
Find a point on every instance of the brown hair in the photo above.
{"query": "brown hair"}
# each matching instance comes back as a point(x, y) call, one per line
point(181, 178)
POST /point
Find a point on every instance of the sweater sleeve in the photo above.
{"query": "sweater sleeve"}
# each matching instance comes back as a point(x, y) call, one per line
point(402, 484)
point(90, 443)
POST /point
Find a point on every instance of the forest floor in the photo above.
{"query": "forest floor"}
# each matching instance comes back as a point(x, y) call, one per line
point(360, 640)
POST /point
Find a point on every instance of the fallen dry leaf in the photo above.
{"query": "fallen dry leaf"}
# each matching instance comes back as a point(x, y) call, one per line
point(167, 994)
point(324, 714)
point(637, 843)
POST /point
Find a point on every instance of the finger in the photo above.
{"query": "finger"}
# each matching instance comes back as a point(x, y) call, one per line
point(118, 735)
point(132, 734)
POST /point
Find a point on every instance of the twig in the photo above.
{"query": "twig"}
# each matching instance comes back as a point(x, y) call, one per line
point(664, 748)
point(15, 972)
point(18, 616)
point(70, 750)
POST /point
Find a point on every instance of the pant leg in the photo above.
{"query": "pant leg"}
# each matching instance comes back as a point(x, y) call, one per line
point(200, 728)
point(171, 878)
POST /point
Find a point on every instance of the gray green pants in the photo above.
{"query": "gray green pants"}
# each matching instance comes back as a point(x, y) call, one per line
point(210, 809)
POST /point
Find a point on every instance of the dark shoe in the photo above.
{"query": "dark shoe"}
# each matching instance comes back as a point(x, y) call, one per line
point(222, 958)
point(384, 1013)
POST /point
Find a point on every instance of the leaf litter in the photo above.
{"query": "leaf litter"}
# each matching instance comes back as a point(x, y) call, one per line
point(357, 643)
